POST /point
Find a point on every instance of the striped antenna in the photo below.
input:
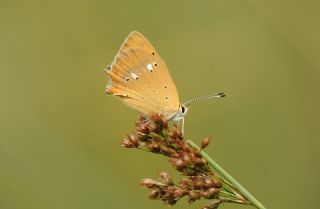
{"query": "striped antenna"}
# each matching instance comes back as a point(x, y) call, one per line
point(202, 98)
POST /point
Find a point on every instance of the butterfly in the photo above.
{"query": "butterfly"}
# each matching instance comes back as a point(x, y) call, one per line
point(140, 78)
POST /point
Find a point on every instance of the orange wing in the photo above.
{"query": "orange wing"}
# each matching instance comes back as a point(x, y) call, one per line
point(140, 78)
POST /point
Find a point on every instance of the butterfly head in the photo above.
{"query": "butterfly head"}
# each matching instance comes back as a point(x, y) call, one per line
point(183, 110)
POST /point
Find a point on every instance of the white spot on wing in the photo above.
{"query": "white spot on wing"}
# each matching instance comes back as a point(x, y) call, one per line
point(150, 67)
point(133, 75)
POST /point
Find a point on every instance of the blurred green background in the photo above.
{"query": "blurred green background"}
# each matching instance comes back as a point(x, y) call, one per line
point(60, 134)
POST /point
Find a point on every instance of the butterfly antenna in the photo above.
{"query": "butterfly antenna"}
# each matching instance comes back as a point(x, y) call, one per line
point(202, 98)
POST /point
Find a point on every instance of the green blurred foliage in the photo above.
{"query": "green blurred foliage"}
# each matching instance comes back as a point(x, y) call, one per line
point(60, 134)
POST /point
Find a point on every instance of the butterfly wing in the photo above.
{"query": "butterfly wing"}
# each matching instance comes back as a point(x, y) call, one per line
point(140, 78)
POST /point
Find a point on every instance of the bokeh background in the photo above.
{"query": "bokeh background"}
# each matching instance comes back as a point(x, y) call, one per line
point(60, 134)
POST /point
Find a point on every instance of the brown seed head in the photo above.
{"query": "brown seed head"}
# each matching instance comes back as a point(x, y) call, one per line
point(179, 134)
point(133, 139)
point(153, 127)
point(149, 183)
point(186, 158)
point(178, 193)
point(177, 162)
point(159, 121)
point(194, 195)
point(175, 155)
point(165, 178)
point(175, 134)
point(185, 147)
point(153, 194)
point(167, 150)
point(153, 147)
point(143, 128)
point(197, 152)
point(164, 123)
point(198, 183)
point(128, 143)
point(205, 142)
point(209, 193)
point(209, 182)
point(199, 161)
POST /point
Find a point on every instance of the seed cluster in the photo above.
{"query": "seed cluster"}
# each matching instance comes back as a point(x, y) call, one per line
point(154, 134)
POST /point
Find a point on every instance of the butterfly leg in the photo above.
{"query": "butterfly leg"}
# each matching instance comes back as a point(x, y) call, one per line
point(181, 123)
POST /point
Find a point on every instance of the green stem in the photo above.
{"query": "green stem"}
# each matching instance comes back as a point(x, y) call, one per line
point(229, 178)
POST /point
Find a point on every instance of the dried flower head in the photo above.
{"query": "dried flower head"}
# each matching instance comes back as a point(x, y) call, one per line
point(198, 181)
point(130, 142)
point(205, 142)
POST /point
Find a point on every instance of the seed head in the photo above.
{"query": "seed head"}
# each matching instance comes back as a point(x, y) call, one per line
point(207, 194)
point(194, 195)
point(205, 142)
point(186, 158)
point(149, 183)
point(153, 194)
point(130, 142)
point(143, 128)
point(153, 147)
point(178, 193)
point(177, 162)
point(175, 134)
point(165, 178)
point(197, 182)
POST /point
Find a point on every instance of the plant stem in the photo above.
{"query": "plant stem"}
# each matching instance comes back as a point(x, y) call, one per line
point(228, 177)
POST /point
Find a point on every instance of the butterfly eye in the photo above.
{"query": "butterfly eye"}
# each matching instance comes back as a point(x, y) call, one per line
point(153, 53)
point(182, 109)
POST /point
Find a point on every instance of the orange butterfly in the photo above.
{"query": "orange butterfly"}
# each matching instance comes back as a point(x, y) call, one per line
point(141, 79)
